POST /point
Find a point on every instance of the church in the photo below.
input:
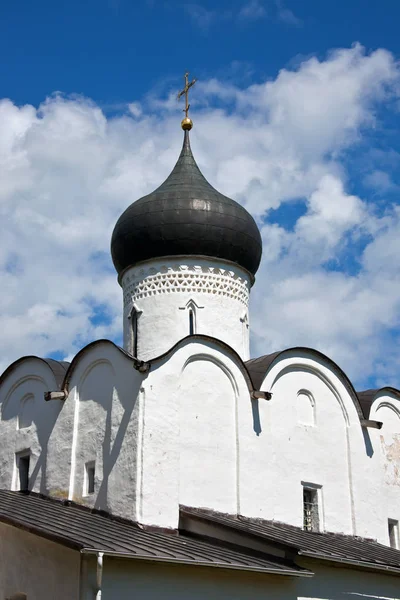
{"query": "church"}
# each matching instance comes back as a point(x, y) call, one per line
point(179, 467)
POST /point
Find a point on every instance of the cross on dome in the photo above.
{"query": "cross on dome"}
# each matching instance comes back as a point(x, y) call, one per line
point(186, 123)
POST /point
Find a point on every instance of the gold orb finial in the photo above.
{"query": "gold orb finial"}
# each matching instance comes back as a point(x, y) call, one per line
point(186, 124)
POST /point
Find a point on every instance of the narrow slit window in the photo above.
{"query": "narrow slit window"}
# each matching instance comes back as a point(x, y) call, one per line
point(393, 527)
point(90, 478)
point(23, 472)
point(191, 322)
point(135, 332)
point(310, 510)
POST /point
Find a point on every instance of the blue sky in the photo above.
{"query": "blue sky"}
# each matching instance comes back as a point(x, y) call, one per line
point(113, 50)
point(307, 93)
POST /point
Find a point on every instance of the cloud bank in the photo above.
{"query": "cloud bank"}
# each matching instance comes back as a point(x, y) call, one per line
point(289, 146)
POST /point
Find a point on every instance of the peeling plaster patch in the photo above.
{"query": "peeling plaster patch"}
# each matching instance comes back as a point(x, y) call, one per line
point(392, 464)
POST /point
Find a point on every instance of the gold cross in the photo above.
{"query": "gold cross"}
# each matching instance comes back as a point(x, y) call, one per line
point(186, 92)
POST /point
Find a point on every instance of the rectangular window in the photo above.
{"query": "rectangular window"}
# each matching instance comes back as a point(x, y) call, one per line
point(23, 460)
point(310, 509)
point(393, 527)
point(191, 322)
point(89, 483)
point(135, 332)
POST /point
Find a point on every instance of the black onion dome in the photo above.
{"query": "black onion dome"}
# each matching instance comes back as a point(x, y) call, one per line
point(186, 216)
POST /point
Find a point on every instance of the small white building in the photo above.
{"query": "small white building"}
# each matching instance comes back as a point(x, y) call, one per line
point(178, 467)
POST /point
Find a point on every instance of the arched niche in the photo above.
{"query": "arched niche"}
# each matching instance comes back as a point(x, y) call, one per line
point(208, 434)
point(26, 411)
point(305, 407)
point(97, 382)
point(314, 371)
point(389, 414)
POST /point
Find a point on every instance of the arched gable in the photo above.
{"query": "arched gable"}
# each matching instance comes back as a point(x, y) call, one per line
point(260, 370)
point(57, 368)
point(215, 343)
point(367, 398)
point(27, 420)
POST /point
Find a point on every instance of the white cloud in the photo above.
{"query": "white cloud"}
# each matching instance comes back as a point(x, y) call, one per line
point(286, 15)
point(135, 109)
point(204, 18)
point(252, 10)
point(201, 16)
point(380, 181)
point(331, 213)
point(68, 172)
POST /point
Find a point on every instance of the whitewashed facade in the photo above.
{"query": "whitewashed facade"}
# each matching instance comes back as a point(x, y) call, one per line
point(173, 419)
point(188, 432)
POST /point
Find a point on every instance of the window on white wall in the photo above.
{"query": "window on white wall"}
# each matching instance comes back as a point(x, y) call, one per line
point(191, 307)
point(134, 318)
point(393, 527)
point(310, 509)
point(89, 478)
point(22, 460)
point(191, 322)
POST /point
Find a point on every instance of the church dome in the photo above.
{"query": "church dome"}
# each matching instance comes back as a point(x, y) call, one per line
point(186, 216)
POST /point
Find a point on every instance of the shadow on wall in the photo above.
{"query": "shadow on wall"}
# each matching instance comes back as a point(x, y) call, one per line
point(255, 409)
point(106, 408)
point(43, 417)
point(368, 444)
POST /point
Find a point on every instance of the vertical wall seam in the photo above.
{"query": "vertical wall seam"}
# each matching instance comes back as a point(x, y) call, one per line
point(74, 445)
point(350, 477)
point(237, 474)
point(140, 456)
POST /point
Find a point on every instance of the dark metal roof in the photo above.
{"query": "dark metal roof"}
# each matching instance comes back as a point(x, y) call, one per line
point(327, 546)
point(367, 397)
point(82, 529)
point(258, 368)
point(58, 367)
point(186, 216)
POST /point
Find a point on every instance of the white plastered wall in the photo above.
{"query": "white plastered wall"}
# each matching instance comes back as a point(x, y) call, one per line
point(103, 404)
point(163, 291)
point(190, 433)
point(386, 443)
point(322, 446)
point(22, 394)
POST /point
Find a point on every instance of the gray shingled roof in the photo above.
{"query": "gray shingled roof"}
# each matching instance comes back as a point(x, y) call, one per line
point(326, 546)
point(80, 528)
